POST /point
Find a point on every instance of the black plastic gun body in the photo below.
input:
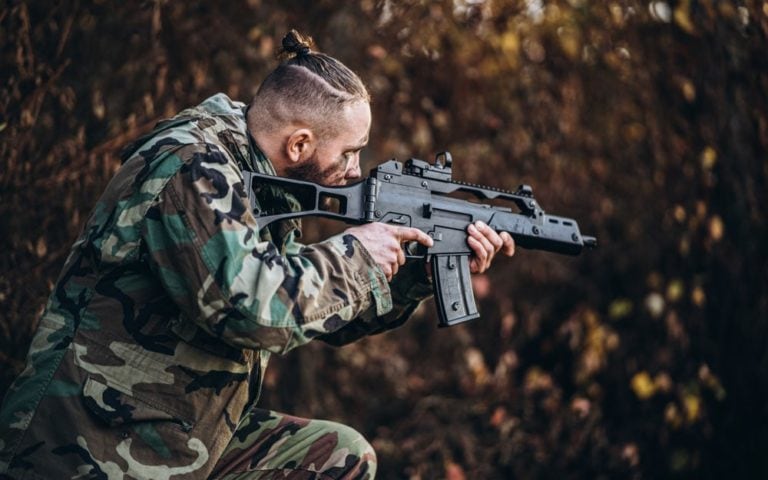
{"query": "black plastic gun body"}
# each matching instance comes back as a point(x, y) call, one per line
point(422, 195)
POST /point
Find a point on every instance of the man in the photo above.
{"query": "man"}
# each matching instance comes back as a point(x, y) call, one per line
point(148, 359)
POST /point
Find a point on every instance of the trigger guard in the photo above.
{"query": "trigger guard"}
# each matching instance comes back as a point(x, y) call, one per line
point(414, 249)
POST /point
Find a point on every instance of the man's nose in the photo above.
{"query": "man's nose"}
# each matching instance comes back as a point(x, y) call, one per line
point(353, 170)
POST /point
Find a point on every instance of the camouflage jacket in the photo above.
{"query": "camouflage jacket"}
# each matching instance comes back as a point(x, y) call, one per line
point(153, 342)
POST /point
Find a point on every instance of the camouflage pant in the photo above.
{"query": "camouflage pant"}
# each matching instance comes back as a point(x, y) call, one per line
point(270, 446)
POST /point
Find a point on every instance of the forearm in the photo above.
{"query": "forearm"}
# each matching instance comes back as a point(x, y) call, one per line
point(408, 289)
point(205, 249)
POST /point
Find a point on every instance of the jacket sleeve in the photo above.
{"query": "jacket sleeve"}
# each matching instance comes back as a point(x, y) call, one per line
point(408, 288)
point(204, 247)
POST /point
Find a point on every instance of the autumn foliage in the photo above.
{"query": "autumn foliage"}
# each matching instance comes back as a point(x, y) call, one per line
point(646, 121)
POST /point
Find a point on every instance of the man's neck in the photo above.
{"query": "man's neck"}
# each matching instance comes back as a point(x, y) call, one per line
point(270, 147)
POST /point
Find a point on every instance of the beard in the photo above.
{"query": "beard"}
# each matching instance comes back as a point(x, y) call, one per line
point(310, 171)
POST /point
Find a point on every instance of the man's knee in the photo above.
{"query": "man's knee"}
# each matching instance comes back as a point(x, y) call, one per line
point(353, 456)
point(354, 441)
point(274, 442)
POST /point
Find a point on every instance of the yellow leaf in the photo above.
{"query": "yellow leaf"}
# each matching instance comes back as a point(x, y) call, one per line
point(682, 17)
point(698, 297)
point(692, 406)
point(716, 228)
point(510, 44)
point(537, 380)
point(617, 14)
point(643, 385)
point(570, 42)
point(679, 213)
point(620, 308)
point(708, 158)
point(675, 290)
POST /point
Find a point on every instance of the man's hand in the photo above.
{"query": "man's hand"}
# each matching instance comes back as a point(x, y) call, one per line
point(384, 243)
point(485, 242)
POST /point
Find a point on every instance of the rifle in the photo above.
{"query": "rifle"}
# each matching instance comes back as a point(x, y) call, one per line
point(417, 195)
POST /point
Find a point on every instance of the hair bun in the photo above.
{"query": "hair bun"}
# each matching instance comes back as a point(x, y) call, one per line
point(295, 44)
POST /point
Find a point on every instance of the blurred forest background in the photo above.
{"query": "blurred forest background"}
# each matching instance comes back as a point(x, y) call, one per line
point(647, 121)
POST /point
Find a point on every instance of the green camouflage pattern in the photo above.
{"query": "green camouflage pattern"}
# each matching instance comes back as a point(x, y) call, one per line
point(271, 445)
point(152, 346)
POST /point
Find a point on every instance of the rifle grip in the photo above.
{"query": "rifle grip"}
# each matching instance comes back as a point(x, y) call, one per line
point(453, 289)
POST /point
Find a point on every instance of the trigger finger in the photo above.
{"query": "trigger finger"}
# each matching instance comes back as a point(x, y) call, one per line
point(407, 234)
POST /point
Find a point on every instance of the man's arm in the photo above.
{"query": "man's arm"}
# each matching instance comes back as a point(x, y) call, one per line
point(408, 288)
point(204, 247)
point(412, 285)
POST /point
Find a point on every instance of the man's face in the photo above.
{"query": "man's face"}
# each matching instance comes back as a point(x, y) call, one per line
point(336, 160)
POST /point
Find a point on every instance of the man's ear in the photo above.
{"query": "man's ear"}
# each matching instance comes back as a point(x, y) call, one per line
point(301, 145)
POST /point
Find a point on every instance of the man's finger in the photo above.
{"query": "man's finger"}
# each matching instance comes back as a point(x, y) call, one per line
point(387, 269)
point(481, 254)
point(408, 234)
point(490, 234)
point(486, 244)
point(509, 244)
point(477, 263)
point(474, 266)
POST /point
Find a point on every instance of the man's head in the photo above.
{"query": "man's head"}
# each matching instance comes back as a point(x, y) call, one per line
point(311, 116)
